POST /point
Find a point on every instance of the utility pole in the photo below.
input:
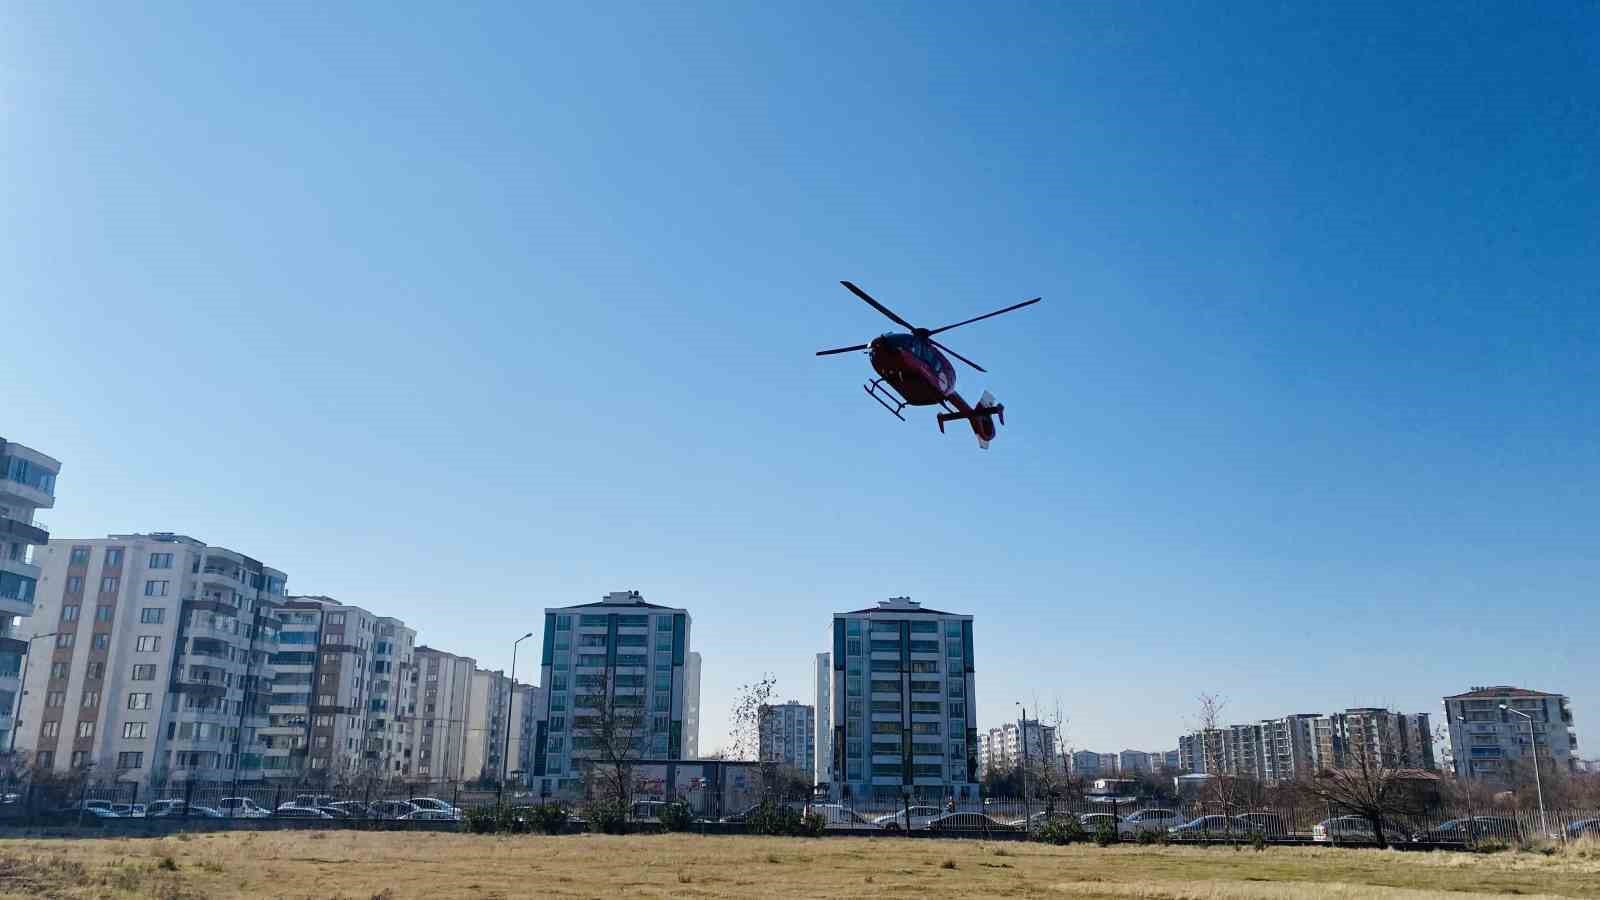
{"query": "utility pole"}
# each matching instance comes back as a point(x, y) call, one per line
point(22, 688)
point(1533, 748)
point(505, 755)
point(1022, 736)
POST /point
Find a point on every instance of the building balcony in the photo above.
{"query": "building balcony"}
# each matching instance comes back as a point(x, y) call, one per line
point(24, 494)
point(35, 532)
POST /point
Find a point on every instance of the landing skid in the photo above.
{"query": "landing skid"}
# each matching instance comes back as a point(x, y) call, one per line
point(886, 396)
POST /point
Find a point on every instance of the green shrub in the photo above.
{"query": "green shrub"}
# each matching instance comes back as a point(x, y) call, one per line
point(509, 820)
point(775, 819)
point(1147, 838)
point(609, 816)
point(1060, 831)
point(549, 818)
point(675, 817)
point(1105, 833)
point(1258, 840)
point(813, 825)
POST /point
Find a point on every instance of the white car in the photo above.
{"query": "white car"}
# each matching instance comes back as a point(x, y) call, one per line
point(1152, 821)
point(241, 808)
point(837, 815)
point(1354, 829)
point(920, 817)
point(433, 804)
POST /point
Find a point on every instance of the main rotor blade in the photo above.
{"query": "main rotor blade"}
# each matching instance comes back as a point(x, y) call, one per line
point(959, 356)
point(879, 306)
point(841, 350)
point(988, 315)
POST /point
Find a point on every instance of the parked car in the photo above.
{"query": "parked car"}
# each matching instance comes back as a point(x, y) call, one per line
point(312, 801)
point(837, 815)
point(1497, 829)
point(90, 805)
point(1092, 822)
point(299, 812)
point(429, 815)
point(1212, 827)
point(1584, 828)
point(436, 805)
point(241, 808)
point(1151, 821)
point(1352, 829)
point(920, 817)
point(1268, 824)
point(968, 822)
point(351, 808)
point(129, 810)
point(169, 808)
point(391, 809)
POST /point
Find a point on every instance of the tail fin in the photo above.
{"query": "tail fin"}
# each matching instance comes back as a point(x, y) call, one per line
point(983, 421)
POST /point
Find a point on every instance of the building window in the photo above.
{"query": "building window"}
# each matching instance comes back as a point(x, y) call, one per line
point(80, 555)
point(109, 584)
point(65, 640)
point(74, 584)
point(148, 643)
point(101, 641)
point(325, 699)
point(155, 588)
point(114, 556)
point(90, 699)
point(563, 623)
point(55, 698)
point(44, 759)
point(335, 618)
point(58, 670)
point(69, 613)
point(79, 758)
point(95, 670)
point(160, 561)
point(50, 729)
point(104, 613)
point(144, 672)
point(152, 615)
point(131, 759)
point(139, 700)
point(86, 729)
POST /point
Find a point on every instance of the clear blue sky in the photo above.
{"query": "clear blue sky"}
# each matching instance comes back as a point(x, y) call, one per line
point(458, 313)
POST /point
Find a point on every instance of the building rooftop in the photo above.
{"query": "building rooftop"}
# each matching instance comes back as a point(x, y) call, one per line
point(899, 605)
point(1503, 690)
point(631, 599)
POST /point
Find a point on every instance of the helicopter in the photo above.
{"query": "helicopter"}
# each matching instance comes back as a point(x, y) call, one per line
point(912, 371)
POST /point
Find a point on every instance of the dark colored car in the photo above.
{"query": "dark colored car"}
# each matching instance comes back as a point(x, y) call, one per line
point(1268, 824)
point(1493, 829)
point(968, 821)
point(299, 812)
point(335, 812)
point(1584, 828)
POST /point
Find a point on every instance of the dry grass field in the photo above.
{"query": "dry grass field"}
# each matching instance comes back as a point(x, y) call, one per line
point(368, 866)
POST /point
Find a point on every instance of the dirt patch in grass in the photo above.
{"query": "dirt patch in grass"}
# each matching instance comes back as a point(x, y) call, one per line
point(397, 866)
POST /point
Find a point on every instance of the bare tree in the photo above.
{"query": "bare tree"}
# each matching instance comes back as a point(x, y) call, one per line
point(1048, 777)
point(1373, 787)
point(614, 737)
point(750, 709)
point(1221, 791)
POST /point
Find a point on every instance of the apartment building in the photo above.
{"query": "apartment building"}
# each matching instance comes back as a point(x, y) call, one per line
point(786, 733)
point(488, 705)
point(1135, 762)
point(1296, 746)
point(691, 706)
point(821, 695)
point(439, 725)
point(526, 701)
point(27, 484)
point(1499, 744)
point(1001, 749)
point(1373, 736)
point(341, 692)
point(904, 704)
point(160, 666)
point(618, 657)
point(1089, 764)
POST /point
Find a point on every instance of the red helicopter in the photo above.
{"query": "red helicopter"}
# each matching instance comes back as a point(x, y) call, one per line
point(913, 373)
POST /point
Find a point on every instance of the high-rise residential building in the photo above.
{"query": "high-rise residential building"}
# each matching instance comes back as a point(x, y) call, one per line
point(341, 692)
point(1001, 749)
point(161, 667)
point(488, 705)
point(821, 696)
point(618, 657)
point(1134, 762)
point(439, 726)
point(691, 706)
point(27, 484)
point(526, 701)
point(1500, 745)
point(786, 733)
point(1296, 746)
point(1089, 764)
point(904, 704)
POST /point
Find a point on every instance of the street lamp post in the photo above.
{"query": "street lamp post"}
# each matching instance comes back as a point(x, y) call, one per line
point(505, 755)
point(1533, 747)
point(22, 688)
point(1022, 735)
point(1466, 763)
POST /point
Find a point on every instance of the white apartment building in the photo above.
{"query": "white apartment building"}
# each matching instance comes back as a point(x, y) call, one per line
point(1089, 764)
point(1001, 749)
point(904, 704)
point(526, 701)
point(1500, 745)
point(691, 706)
point(160, 667)
point(787, 734)
point(341, 692)
point(488, 705)
point(439, 725)
point(822, 696)
point(27, 484)
point(1297, 746)
point(619, 654)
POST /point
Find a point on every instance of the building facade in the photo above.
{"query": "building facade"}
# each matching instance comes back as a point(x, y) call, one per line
point(617, 660)
point(691, 706)
point(1001, 750)
point(1297, 746)
point(1498, 745)
point(161, 664)
point(27, 484)
point(526, 701)
point(787, 734)
point(439, 725)
point(904, 704)
point(822, 697)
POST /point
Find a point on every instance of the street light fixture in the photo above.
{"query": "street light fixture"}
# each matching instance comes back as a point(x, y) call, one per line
point(22, 688)
point(1022, 736)
point(505, 755)
point(1533, 748)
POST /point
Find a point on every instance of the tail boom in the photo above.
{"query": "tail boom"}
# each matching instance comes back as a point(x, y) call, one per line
point(981, 418)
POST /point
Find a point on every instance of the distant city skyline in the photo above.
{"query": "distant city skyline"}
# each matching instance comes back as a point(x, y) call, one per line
point(1305, 419)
